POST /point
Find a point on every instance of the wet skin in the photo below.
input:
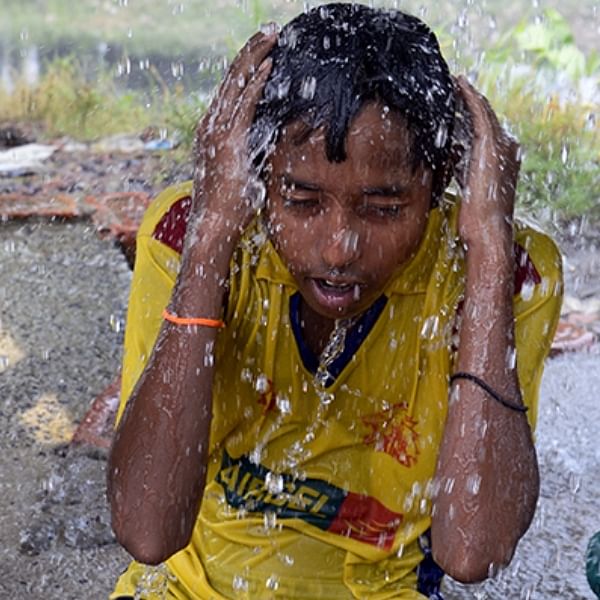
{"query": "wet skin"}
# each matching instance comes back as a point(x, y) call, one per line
point(344, 229)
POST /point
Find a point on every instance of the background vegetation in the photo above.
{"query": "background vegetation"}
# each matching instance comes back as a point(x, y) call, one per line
point(118, 66)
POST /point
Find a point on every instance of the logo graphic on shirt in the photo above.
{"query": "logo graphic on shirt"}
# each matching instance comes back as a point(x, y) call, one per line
point(317, 502)
point(393, 433)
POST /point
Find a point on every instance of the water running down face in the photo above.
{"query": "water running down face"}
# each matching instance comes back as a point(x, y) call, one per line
point(343, 229)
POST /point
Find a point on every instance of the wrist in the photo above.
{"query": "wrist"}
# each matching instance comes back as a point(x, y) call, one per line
point(490, 249)
point(203, 276)
point(489, 271)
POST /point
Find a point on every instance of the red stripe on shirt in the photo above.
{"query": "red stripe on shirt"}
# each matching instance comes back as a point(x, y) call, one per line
point(365, 519)
point(525, 271)
point(173, 224)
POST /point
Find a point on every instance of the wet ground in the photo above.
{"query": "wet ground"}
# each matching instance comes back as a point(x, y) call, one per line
point(62, 306)
point(63, 302)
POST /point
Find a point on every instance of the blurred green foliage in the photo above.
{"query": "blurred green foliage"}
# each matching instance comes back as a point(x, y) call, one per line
point(534, 74)
point(66, 101)
point(139, 26)
point(548, 89)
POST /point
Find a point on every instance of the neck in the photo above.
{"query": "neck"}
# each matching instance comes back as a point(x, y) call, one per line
point(316, 329)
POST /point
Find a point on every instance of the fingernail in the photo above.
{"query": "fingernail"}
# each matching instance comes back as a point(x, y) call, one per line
point(265, 64)
point(270, 29)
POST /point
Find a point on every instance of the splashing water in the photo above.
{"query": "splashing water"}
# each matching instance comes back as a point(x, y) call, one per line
point(153, 583)
point(567, 435)
point(332, 350)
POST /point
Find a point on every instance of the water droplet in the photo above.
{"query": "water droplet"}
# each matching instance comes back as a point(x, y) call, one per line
point(511, 358)
point(430, 327)
point(527, 290)
point(240, 584)
point(449, 485)
point(574, 483)
point(473, 484)
point(272, 583)
point(283, 88)
point(255, 455)
point(116, 323)
point(441, 136)
point(308, 87)
point(255, 192)
point(350, 242)
point(326, 398)
point(262, 384)
point(274, 483)
point(287, 560)
point(283, 404)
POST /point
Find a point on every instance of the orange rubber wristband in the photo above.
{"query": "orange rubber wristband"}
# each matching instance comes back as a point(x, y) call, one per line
point(167, 316)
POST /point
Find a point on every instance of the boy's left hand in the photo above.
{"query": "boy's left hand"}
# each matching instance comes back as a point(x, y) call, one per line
point(490, 178)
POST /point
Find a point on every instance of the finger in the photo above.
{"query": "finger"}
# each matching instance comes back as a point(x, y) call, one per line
point(245, 108)
point(245, 65)
point(218, 115)
point(485, 122)
point(482, 114)
point(255, 49)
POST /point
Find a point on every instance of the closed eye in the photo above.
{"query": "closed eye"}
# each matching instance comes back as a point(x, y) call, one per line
point(383, 205)
point(298, 203)
point(385, 201)
point(387, 210)
point(299, 198)
point(299, 195)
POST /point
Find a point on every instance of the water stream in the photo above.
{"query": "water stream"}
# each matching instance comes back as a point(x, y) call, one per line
point(62, 292)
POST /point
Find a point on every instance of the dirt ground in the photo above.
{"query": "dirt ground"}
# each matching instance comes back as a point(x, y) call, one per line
point(63, 302)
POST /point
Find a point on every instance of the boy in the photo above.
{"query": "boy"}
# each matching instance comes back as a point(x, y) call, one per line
point(336, 399)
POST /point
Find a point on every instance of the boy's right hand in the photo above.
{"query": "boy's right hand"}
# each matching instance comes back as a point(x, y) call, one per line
point(224, 180)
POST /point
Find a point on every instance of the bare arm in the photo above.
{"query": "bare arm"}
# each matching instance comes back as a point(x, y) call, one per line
point(157, 466)
point(487, 467)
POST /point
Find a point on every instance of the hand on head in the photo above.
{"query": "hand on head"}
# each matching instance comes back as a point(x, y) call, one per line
point(490, 173)
point(224, 184)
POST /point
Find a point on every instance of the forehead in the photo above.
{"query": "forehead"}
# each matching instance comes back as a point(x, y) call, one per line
point(377, 138)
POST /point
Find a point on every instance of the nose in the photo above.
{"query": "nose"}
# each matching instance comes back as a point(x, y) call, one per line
point(341, 247)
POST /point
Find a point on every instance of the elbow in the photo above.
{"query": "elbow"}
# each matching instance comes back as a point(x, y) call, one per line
point(137, 529)
point(145, 551)
point(468, 569)
point(471, 564)
point(144, 545)
point(136, 521)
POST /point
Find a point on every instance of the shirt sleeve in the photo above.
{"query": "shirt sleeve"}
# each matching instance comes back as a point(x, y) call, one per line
point(537, 302)
point(159, 244)
point(156, 268)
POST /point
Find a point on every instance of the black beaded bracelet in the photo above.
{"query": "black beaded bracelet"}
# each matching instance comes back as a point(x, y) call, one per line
point(484, 386)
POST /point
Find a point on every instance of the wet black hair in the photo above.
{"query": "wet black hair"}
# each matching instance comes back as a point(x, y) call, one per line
point(332, 59)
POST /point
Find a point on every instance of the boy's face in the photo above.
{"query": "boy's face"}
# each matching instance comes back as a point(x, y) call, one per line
point(343, 229)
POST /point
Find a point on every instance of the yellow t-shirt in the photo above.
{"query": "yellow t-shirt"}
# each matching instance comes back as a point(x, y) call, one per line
point(323, 492)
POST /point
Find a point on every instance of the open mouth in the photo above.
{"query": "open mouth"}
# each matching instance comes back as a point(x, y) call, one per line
point(336, 287)
point(335, 295)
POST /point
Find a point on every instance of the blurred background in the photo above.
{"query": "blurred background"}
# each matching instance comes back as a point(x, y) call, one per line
point(97, 67)
point(98, 104)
